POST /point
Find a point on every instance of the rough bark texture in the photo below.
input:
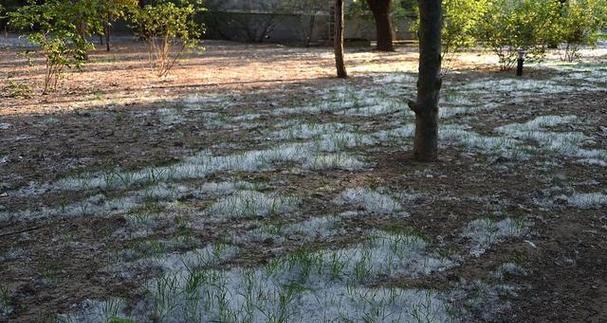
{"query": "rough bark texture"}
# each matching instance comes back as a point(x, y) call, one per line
point(429, 82)
point(383, 24)
point(339, 39)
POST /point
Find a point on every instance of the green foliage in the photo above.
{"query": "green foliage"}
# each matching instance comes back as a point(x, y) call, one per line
point(168, 30)
point(60, 29)
point(110, 10)
point(15, 89)
point(461, 22)
point(580, 23)
point(512, 25)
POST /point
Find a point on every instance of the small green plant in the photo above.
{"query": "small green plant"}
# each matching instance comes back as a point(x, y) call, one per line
point(60, 30)
point(15, 89)
point(5, 302)
point(168, 30)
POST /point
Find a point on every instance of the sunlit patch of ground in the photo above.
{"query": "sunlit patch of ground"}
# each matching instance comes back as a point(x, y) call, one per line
point(225, 195)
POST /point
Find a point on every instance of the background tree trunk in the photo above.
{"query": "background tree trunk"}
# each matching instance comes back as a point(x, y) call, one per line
point(383, 24)
point(339, 39)
point(429, 82)
point(108, 30)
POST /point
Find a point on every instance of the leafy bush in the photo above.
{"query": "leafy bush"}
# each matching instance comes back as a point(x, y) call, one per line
point(512, 25)
point(60, 29)
point(460, 24)
point(168, 30)
point(580, 24)
point(16, 89)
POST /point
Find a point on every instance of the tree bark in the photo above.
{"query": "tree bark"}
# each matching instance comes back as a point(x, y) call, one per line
point(339, 39)
point(429, 81)
point(383, 24)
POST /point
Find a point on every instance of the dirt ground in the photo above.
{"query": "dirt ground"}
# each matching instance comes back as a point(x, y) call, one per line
point(115, 116)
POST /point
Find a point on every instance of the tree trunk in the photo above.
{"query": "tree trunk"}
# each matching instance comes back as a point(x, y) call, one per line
point(339, 39)
point(429, 82)
point(383, 24)
point(108, 30)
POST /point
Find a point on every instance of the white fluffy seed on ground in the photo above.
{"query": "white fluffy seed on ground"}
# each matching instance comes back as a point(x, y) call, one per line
point(588, 200)
point(371, 201)
point(484, 233)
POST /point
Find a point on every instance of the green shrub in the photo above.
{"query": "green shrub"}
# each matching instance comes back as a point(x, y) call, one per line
point(60, 29)
point(580, 24)
point(461, 22)
point(168, 30)
point(16, 89)
point(512, 25)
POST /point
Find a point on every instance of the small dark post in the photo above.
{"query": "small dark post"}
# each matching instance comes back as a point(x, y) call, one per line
point(521, 62)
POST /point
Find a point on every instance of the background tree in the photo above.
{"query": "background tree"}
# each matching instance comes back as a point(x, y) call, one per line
point(3, 17)
point(508, 27)
point(429, 81)
point(461, 19)
point(339, 39)
point(580, 24)
point(383, 24)
point(110, 11)
point(399, 10)
point(460, 23)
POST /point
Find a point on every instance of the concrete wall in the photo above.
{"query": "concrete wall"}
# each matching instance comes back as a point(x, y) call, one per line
point(239, 26)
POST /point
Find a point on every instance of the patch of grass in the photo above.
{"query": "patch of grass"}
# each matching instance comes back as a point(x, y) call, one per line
point(15, 89)
point(50, 270)
point(6, 307)
point(403, 229)
point(151, 248)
